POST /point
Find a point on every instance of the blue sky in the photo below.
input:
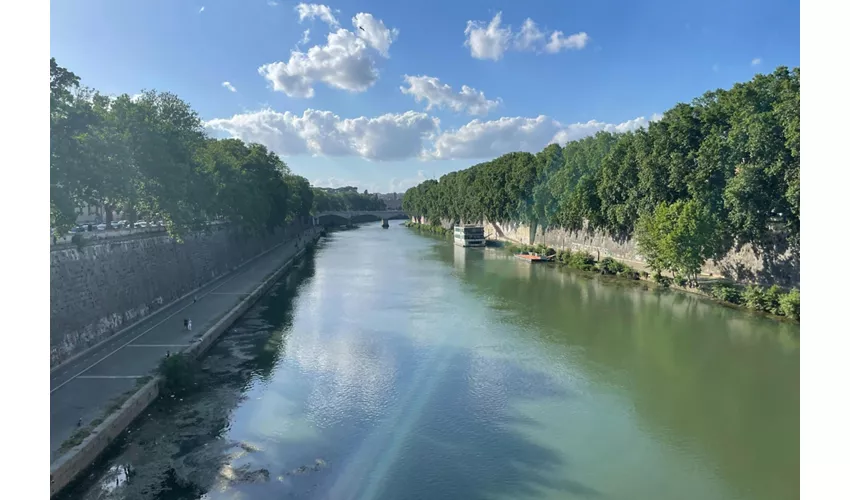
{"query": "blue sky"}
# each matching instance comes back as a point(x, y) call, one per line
point(334, 108)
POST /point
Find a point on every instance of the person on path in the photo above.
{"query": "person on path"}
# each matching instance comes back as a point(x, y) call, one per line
point(186, 323)
point(190, 325)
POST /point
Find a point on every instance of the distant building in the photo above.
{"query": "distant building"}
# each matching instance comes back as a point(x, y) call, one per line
point(92, 214)
point(392, 200)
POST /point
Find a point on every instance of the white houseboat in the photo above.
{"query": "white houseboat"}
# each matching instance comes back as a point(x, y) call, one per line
point(469, 236)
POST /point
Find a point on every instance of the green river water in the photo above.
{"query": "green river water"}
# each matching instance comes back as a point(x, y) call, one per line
point(393, 365)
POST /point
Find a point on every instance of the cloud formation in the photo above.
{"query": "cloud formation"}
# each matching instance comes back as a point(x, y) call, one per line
point(487, 41)
point(409, 135)
point(437, 95)
point(345, 62)
point(386, 137)
point(312, 11)
point(557, 42)
point(492, 40)
point(228, 86)
point(373, 31)
point(756, 61)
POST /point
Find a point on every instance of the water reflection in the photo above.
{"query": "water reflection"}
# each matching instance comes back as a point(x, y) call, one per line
point(399, 366)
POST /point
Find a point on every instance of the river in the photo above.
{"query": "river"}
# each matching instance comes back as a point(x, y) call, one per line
point(393, 365)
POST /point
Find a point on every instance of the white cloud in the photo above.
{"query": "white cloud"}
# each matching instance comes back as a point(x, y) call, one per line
point(486, 139)
point(576, 131)
point(305, 38)
point(491, 41)
point(228, 86)
point(557, 42)
point(439, 95)
point(344, 63)
point(201, 9)
point(489, 139)
point(386, 137)
point(272, 3)
point(374, 32)
point(487, 42)
point(756, 61)
point(528, 36)
point(404, 136)
point(312, 10)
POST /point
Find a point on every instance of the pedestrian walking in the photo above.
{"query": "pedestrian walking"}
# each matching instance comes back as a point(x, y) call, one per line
point(186, 323)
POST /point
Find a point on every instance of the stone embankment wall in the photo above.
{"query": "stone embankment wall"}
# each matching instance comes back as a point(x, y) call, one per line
point(780, 265)
point(101, 288)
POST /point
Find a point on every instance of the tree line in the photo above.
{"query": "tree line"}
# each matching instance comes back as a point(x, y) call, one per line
point(149, 157)
point(720, 171)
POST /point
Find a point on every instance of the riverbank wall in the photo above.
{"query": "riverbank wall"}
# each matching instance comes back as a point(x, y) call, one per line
point(779, 265)
point(68, 467)
point(105, 286)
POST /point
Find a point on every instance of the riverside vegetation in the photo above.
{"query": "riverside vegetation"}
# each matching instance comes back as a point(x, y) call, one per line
point(771, 300)
point(149, 157)
point(710, 175)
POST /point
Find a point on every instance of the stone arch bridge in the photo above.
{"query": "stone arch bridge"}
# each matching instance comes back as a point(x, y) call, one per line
point(338, 218)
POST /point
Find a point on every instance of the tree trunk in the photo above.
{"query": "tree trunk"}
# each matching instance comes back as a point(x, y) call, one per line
point(107, 215)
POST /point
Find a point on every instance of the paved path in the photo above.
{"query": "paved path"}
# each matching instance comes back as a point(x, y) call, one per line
point(84, 388)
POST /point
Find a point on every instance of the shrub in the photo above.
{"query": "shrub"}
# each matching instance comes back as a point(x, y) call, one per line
point(680, 280)
point(753, 298)
point(789, 304)
point(179, 372)
point(610, 266)
point(581, 260)
point(628, 272)
point(772, 297)
point(726, 293)
point(644, 274)
point(563, 256)
point(550, 251)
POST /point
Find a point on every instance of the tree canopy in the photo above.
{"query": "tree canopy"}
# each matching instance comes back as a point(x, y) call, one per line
point(726, 164)
point(148, 155)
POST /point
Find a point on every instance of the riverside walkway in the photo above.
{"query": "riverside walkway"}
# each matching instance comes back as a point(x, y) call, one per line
point(83, 389)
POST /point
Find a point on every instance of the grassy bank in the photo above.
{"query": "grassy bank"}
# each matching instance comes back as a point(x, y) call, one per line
point(771, 300)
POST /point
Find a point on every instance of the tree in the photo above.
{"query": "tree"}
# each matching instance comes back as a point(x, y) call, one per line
point(70, 119)
point(679, 237)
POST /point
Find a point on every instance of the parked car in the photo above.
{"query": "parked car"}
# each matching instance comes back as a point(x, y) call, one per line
point(101, 227)
point(140, 225)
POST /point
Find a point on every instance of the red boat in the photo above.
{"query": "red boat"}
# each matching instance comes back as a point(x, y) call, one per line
point(533, 257)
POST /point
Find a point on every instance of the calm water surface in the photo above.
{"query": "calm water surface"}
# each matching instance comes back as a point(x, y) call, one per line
point(392, 365)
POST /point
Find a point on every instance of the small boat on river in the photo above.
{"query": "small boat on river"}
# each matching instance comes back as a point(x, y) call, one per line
point(533, 257)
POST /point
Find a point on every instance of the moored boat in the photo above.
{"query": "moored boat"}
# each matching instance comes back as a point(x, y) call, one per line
point(469, 236)
point(533, 257)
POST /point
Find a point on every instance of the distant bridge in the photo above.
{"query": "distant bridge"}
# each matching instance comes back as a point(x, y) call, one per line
point(354, 216)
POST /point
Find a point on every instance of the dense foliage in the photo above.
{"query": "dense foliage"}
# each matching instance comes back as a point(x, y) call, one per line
point(723, 169)
point(149, 157)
